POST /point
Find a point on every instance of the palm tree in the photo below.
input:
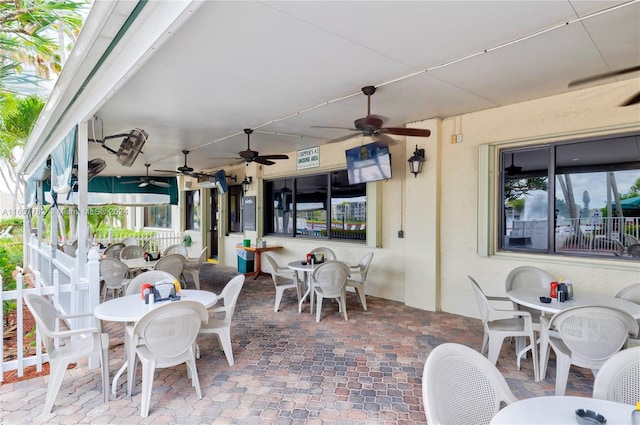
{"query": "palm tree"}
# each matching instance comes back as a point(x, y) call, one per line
point(17, 118)
point(27, 29)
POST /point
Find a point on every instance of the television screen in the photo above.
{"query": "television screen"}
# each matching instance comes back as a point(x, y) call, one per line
point(368, 163)
point(221, 181)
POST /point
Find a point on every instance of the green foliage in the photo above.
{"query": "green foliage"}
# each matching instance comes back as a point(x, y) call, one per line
point(517, 188)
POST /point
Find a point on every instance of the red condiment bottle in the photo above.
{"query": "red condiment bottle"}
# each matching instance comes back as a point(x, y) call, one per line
point(553, 292)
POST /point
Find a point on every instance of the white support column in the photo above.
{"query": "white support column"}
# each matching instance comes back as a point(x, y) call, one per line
point(83, 160)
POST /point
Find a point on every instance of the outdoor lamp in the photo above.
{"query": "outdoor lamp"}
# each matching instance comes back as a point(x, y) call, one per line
point(246, 183)
point(416, 161)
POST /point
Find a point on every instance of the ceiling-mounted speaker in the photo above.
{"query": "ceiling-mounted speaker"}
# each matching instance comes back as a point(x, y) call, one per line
point(131, 146)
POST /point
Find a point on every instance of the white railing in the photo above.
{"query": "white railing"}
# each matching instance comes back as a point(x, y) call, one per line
point(158, 239)
point(69, 293)
point(610, 234)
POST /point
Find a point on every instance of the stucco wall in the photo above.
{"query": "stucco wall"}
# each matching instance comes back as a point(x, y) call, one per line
point(438, 209)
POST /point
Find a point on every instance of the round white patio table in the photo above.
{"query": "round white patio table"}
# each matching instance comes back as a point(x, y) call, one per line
point(530, 297)
point(139, 263)
point(307, 269)
point(131, 308)
point(560, 410)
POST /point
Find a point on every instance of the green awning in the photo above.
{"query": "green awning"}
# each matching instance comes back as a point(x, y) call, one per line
point(109, 190)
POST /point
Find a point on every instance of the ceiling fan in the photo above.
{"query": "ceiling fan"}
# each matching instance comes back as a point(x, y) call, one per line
point(253, 156)
point(631, 101)
point(512, 169)
point(146, 180)
point(184, 169)
point(371, 125)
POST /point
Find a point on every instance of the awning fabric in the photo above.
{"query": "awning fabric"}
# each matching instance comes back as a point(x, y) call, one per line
point(62, 163)
point(109, 190)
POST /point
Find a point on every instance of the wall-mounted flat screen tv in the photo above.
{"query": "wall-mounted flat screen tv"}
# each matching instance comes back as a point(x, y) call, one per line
point(368, 163)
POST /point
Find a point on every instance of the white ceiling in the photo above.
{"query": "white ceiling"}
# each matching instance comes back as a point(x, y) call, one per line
point(280, 65)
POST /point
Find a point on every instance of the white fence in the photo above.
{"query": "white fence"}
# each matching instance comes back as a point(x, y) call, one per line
point(158, 239)
point(69, 293)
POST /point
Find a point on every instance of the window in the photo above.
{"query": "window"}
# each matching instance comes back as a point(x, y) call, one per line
point(575, 198)
point(322, 206)
point(193, 209)
point(158, 216)
point(235, 202)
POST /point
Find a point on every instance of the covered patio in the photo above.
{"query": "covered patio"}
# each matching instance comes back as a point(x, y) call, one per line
point(288, 368)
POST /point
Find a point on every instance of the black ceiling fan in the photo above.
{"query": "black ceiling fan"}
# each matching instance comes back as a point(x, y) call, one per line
point(635, 99)
point(371, 125)
point(253, 156)
point(184, 169)
point(512, 169)
point(146, 180)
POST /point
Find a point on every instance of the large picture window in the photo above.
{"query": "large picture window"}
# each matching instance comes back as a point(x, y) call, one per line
point(576, 198)
point(158, 216)
point(322, 206)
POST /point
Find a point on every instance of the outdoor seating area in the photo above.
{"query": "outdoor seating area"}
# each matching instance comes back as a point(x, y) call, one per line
point(286, 365)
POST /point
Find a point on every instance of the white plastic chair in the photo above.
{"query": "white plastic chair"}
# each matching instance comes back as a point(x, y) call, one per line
point(586, 337)
point(631, 293)
point(130, 241)
point(165, 337)
point(329, 281)
point(499, 324)
point(461, 386)
point(113, 251)
point(329, 255)
point(283, 279)
point(619, 378)
point(172, 264)
point(527, 277)
point(176, 249)
point(86, 342)
point(192, 268)
point(131, 251)
point(358, 277)
point(222, 327)
point(114, 273)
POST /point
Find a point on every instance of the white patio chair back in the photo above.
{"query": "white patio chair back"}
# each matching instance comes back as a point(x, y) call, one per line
point(71, 350)
point(172, 264)
point(151, 276)
point(460, 386)
point(630, 293)
point(176, 249)
point(165, 337)
point(222, 327)
point(192, 268)
point(114, 273)
point(113, 251)
point(329, 281)
point(329, 255)
point(619, 378)
point(283, 278)
point(499, 324)
point(358, 278)
point(586, 337)
point(130, 252)
point(130, 241)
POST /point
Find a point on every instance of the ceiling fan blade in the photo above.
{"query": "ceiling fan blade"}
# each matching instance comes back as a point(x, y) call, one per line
point(403, 131)
point(262, 160)
point(168, 171)
point(159, 184)
point(131, 182)
point(143, 184)
point(603, 75)
point(276, 156)
point(632, 100)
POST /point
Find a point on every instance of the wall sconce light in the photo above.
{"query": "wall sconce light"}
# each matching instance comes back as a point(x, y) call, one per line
point(416, 161)
point(246, 183)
